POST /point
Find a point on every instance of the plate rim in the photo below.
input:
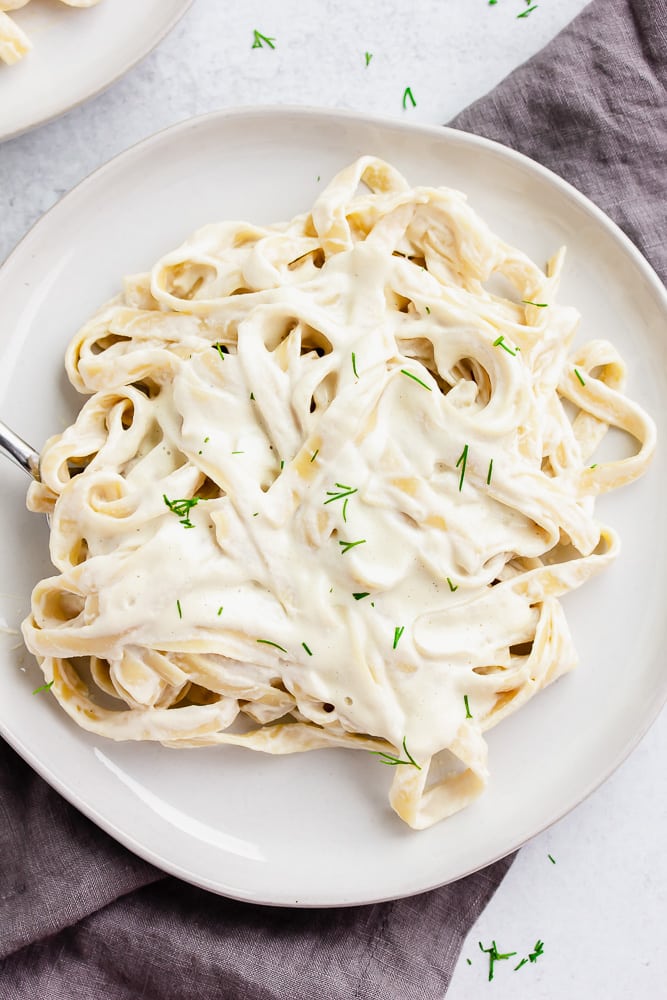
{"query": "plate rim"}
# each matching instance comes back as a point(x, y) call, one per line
point(153, 856)
point(125, 68)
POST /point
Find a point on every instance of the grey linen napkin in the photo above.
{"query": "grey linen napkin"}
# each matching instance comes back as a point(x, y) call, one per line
point(592, 106)
point(83, 919)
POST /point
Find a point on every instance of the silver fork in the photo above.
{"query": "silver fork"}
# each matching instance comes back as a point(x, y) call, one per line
point(19, 451)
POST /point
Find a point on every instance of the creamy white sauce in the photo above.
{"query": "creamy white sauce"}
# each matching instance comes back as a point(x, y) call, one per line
point(368, 433)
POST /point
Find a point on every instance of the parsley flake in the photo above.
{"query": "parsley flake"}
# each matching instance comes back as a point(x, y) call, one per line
point(44, 687)
point(346, 546)
point(408, 96)
point(341, 492)
point(392, 761)
point(500, 342)
point(259, 40)
point(404, 371)
point(536, 953)
point(268, 642)
point(494, 956)
point(182, 509)
point(462, 461)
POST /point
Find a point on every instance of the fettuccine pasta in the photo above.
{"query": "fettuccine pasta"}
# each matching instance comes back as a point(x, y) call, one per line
point(14, 43)
point(328, 489)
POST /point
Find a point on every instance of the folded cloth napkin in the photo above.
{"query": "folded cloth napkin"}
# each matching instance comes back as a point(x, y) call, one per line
point(592, 106)
point(83, 919)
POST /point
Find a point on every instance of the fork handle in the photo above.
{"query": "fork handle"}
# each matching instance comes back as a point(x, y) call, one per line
point(19, 451)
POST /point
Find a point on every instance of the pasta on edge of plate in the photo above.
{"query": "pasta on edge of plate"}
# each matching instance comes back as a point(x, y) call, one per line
point(328, 488)
point(14, 43)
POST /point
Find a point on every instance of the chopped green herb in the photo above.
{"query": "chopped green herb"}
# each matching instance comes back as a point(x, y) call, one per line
point(354, 365)
point(315, 454)
point(44, 687)
point(182, 509)
point(238, 453)
point(540, 305)
point(341, 491)
point(267, 642)
point(360, 597)
point(488, 475)
point(428, 310)
point(344, 493)
point(256, 513)
point(525, 13)
point(578, 374)
point(282, 464)
point(500, 342)
point(467, 959)
point(179, 609)
point(307, 649)
point(465, 702)
point(494, 956)
point(252, 395)
point(404, 371)
point(261, 40)
point(593, 466)
point(346, 546)
point(408, 96)
point(398, 632)
point(452, 586)
point(220, 610)
point(222, 350)
point(392, 761)
point(537, 951)
point(463, 461)
point(368, 56)
point(551, 859)
point(206, 440)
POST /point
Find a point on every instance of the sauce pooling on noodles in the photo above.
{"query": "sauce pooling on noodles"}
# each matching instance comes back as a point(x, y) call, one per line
point(329, 483)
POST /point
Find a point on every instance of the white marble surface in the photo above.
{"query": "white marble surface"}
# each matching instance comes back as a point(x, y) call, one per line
point(600, 909)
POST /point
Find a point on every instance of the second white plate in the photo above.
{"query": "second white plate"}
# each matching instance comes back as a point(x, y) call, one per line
point(315, 828)
point(77, 53)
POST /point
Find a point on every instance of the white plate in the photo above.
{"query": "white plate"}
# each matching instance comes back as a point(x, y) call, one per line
point(77, 53)
point(316, 829)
